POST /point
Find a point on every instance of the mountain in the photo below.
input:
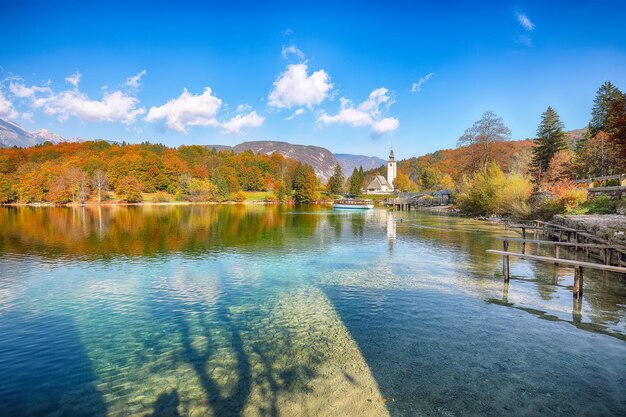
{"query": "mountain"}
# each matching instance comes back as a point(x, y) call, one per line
point(12, 134)
point(321, 159)
point(348, 162)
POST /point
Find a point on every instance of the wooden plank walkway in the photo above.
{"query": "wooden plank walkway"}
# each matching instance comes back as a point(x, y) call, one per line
point(614, 254)
point(578, 266)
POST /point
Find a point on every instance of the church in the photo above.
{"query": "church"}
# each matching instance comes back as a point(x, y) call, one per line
point(382, 185)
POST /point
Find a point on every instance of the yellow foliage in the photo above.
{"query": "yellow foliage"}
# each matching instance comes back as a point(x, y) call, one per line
point(490, 191)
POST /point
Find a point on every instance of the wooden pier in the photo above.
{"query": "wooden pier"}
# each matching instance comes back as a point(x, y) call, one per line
point(613, 256)
point(407, 201)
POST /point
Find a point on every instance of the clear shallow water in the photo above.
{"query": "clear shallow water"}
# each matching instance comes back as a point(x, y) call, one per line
point(263, 311)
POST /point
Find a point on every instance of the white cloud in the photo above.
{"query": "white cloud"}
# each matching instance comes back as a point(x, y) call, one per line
point(287, 32)
point(6, 108)
point(27, 116)
point(386, 125)
point(295, 114)
point(417, 87)
point(21, 91)
point(135, 80)
point(524, 21)
point(291, 50)
point(114, 107)
point(241, 122)
point(294, 87)
point(187, 110)
point(368, 113)
point(74, 79)
point(243, 107)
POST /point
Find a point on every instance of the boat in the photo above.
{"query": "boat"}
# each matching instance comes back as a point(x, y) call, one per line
point(353, 204)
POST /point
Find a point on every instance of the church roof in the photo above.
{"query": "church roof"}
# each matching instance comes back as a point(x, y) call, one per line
point(378, 182)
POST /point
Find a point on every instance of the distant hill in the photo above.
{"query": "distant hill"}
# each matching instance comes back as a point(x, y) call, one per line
point(321, 159)
point(348, 162)
point(12, 134)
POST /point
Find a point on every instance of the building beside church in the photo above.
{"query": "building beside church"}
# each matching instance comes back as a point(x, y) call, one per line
point(382, 185)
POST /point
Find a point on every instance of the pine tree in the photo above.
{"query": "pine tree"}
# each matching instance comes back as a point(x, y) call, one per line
point(335, 182)
point(550, 139)
point(304, 184)
point(602, 114)
point(580, 145)
point(354, 182)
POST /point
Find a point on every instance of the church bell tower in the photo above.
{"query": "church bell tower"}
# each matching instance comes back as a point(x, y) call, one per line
point(391, 169)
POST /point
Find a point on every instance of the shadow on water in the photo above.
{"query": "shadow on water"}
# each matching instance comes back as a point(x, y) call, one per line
point(232, 348)
point(44, 368)
point(166, 405)
point(230, 404)
point(435, 354)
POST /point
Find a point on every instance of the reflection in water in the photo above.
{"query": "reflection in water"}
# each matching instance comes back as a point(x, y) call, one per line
point(267, 311)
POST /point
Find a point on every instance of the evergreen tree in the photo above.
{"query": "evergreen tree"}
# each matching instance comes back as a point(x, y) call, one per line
point(304, 184)
point(550, 139)
point(580, 145)
point(335, 182)
point(602, 114)
point(354, 182)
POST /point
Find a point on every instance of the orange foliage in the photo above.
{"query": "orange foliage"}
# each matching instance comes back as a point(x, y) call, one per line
point(62, 173)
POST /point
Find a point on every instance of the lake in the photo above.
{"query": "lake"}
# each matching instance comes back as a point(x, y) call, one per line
point(267, 311)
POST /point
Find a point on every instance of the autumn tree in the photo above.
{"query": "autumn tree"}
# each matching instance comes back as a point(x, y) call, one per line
point(550, 139)
point(483, 134)
point(202, 190)
point(447, 183)
point(335, 182)
point(600, 157)
point(129, 189)
point(100, 183)
point(561, 166)
point(7, 194)
point(403, 183)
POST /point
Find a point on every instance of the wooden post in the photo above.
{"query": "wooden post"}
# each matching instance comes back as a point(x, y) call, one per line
point(556, 253)
point(505, 261)
point(607, 256)
point(578, 282)
point(505, 293)
point(577, 310)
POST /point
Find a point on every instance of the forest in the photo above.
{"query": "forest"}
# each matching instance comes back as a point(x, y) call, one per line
point(100, 171)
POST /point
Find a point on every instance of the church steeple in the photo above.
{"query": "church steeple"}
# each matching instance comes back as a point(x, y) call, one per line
point(392, 170)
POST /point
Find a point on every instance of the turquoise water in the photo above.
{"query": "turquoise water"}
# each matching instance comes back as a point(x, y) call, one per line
point(268, 311)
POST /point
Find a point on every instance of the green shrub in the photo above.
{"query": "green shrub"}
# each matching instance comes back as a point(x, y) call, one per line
point(599, 205)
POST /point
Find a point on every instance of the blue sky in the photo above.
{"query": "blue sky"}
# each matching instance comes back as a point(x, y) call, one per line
point(343, 75)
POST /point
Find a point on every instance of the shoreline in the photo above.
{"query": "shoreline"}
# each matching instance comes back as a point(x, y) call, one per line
point(150, 203)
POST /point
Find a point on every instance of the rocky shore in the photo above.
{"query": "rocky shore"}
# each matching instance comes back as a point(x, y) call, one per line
point(609, 227)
